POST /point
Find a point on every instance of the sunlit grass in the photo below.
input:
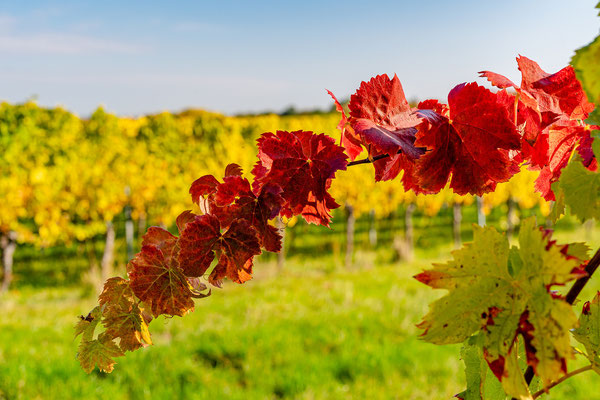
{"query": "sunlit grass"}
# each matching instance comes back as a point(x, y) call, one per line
point(314, 330)
point(291, 335)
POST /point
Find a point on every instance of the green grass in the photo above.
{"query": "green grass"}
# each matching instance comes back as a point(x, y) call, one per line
point(301, 334)
point(306, 335)
point(312, 331)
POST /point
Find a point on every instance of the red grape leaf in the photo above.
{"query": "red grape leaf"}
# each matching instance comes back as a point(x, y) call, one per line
point(585, 150)
point(302, 164)
point(239, 245)
point(382, 121)
point(528, 121)
point(389, 168)
point(549, 139)
point(183, 219)
point(388, 141)
point(469, 139)
point(500, 81)
point(559, 93)
point(225, 268)
point(339, 108)
point(201, 240)
point(530, 72)
point(234, 199)
point(233, 170)
point(196, 244)
point(202, 187)
point(381, 116)
point(156, 277)
point(159, 238)
point(546, 100)
point(554, 149)
point(555, 94)
point(350, 141)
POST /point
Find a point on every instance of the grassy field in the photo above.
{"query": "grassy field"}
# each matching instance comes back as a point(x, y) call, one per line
point(296, 335)
point(311, 331)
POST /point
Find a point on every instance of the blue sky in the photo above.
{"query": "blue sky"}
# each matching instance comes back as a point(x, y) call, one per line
point(138, 57)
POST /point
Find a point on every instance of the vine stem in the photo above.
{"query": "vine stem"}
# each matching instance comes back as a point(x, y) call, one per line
point(580, 283)
point(370, 160)
point(562, 379)
point(367, 160)
point(570, 298)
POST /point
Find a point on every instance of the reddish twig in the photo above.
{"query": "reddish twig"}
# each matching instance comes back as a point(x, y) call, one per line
point(368, 160)
point(562, 379)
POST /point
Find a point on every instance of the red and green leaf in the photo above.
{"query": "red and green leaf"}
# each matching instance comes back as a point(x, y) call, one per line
point(503, 292)
point(122, 316)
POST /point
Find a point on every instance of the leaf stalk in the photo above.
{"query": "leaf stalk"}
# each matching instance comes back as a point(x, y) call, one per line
point(562, 379)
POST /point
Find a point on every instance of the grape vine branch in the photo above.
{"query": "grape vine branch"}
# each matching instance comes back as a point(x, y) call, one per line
point(497, 293)
point(368, 160)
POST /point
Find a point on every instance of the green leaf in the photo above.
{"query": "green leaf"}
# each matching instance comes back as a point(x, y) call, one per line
point(594, 135)
point(502, 292)
point(514, 384)
point(98, 352)
point(594, 118)
point(475, 369)
point(558, 208)
point(579, 250)
point(587, 69)
point(588, 332)
point(581, 189)
point(480, 382)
